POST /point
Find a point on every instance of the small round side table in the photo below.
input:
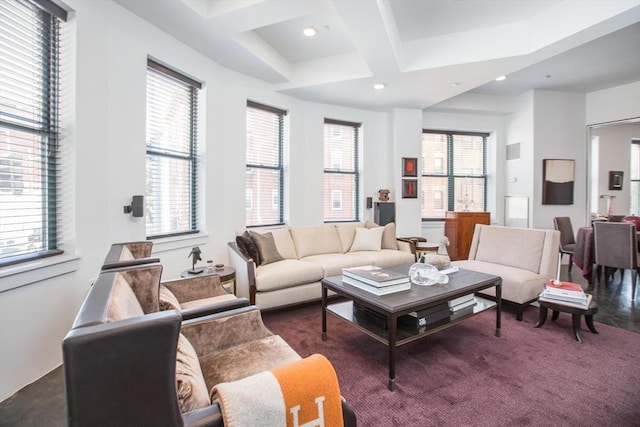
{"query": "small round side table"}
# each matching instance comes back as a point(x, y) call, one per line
point(575, 315)
point(227, 276)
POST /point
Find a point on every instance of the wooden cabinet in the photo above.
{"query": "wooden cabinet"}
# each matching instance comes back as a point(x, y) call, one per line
point(458, 227)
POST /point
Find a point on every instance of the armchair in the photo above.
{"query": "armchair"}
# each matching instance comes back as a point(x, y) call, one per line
point(567, 238)
point(129, 253)
point(125, 367)
point(192, 296)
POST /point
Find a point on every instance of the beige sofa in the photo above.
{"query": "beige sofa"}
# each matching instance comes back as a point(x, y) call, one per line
point(525, 258)
point(307, 254)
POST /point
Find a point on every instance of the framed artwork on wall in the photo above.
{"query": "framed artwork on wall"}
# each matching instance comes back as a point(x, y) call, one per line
point(557, 181)
point(409, 166)
point(615, 180)
point(409, 188)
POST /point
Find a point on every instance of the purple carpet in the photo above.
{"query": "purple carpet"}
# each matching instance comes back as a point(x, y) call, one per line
point(466, 376)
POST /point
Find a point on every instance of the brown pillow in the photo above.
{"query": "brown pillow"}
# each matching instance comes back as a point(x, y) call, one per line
point(192, 390)
point(266, 247)
point(248, 247)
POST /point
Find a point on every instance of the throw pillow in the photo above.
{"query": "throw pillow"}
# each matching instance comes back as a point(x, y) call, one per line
point(388, 235)
point(267, 248)
point(248, 247)
point(367, 239)
point(168, 300)
point(190, 385)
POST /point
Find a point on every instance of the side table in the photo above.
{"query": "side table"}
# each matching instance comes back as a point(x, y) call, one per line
point(227, 276)
point(575, 315)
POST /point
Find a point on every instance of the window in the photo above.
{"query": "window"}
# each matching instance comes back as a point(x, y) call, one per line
point(634, 184)
point(341, 171)
point(29, 133)
point(454, 165)
point(336, 200)
point(265, 169)
point(171, 188)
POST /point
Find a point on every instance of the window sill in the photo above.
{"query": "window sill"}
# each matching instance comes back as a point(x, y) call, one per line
point(178, 242)
point(16, 276)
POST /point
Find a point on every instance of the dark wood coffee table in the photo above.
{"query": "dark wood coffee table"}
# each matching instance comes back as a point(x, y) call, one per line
point(392, 306)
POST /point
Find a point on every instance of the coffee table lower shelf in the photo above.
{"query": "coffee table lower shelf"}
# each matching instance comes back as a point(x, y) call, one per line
point(405, 333)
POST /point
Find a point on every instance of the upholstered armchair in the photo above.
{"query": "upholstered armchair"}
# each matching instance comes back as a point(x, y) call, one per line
point(191, 296)
point(125, 367)
point(129, 253)
point(616, 246)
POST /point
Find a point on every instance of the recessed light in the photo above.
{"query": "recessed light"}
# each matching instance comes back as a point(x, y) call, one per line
point(455, 84)
point(309, 31)
point(501, 78)
point(379, 86)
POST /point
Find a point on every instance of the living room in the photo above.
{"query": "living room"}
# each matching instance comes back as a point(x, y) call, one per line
point(105, 158)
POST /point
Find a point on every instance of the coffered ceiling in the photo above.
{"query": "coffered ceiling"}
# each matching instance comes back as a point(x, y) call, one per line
point(424, 51)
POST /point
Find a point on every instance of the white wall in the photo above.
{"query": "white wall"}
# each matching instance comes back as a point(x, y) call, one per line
point(104, 153)
point(613, 104)
point(559, 133)
point(519, 130)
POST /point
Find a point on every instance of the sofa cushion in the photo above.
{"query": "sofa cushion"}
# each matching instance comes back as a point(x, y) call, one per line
point(346, 234)
point(316, 240)
point(248, 247)
point(208, 301)
point(367, 239)
point(389, 240)
point(518, 285)
point(267, 248)
point(388, 258)
point(494, 243)
point(246, 359)
point(286, 273)
point(191, 387)
point(332, 264)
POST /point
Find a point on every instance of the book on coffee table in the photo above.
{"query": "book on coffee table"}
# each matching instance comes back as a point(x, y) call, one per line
point(377, 290)
point(375, 276)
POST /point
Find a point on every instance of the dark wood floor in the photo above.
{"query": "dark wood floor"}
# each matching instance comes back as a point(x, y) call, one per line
point(42, 403)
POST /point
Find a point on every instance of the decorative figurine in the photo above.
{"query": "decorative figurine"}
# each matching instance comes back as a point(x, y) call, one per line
point(195, 252)
point(441, 259)
point(383, 195)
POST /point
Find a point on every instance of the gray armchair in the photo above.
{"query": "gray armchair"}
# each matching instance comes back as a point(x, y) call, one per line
point(567, 237)
point(125, 367)
point(616, 247)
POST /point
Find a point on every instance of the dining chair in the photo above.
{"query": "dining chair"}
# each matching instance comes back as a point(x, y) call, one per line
point(567, 238)
point(616, 247)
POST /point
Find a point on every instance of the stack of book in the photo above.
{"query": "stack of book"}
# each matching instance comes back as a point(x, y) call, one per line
point(428, 317)
point(462, 306)
point(565, 293)
point(378, 281)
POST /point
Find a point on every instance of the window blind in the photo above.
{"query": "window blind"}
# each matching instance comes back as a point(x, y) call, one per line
point(171, 164)
point(454, 168)
point(265, 170)
point(341, 171)
point(29, 133)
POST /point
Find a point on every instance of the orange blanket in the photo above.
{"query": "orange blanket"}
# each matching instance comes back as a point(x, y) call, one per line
point(303, 393)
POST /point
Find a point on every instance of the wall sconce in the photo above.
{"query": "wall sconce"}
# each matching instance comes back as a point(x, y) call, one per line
point(136, 208)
